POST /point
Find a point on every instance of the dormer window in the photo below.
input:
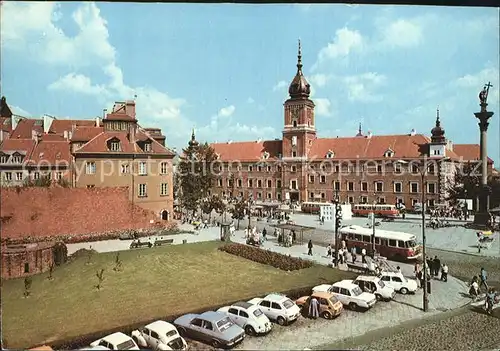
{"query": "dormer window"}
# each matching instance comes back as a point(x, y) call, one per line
point(265, 155)
point(217, 156)
point(330, 154)
point(114, 144)
point(4, 159)
point(16, 158)
point(295, 123)
point(389, 153)
point(147, 147)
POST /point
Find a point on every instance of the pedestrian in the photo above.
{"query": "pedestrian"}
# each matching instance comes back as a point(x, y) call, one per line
point(310, 247)
point(420, 277)
point(398, 269)
point(484, 278)
point(444, 273)
point(474, 288)
point(329, 251)
point(416, 269)
point(363, 255)
point(437, 266)
point(264, 233)
point(313, 308)
point(344, 254)
point(340, 254)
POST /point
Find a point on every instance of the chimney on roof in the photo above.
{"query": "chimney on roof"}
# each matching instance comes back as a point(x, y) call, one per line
point(66, 135)
point(413, 132)
point(369, 134)
point(98, 120)
point(47, 122)
point(130, 109)
point(230, 142)
point(259, 140)
point(34, 136)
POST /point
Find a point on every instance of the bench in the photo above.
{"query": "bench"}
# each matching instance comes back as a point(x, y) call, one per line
point(159, 242)
point(136, 244)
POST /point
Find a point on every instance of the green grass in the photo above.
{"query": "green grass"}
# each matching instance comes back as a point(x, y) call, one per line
point(153, 283)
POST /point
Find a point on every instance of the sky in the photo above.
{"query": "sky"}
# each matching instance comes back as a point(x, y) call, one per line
point(224, 69)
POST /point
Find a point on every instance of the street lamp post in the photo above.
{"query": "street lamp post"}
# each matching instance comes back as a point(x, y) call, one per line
point(336, 202)
point(373, 228)
point(426, 297)
point(249, 209)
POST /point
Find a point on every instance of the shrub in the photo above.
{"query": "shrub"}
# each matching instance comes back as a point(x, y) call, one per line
point(270, 258)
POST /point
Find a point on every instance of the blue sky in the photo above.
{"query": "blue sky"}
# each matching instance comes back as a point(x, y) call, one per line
point(224, 69)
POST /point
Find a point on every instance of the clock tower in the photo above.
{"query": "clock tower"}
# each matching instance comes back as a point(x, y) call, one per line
point(299, 129)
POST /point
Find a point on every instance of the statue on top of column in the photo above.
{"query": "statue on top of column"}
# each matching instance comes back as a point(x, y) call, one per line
point(483, 95)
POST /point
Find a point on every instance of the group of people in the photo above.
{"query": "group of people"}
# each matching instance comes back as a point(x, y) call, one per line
point(254, 237)
point(479, 282)
point(285, 239)
point(433, 268)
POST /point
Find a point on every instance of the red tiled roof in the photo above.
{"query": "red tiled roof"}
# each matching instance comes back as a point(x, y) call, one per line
point(24, 146)
point(86, 133)
point(59, 126)
point(118, 117)
point(469, 152)
point(25, 127)
point(99, 145)
point(52, 137)
point(6, 124)
point(247, 150)
point(51, 153)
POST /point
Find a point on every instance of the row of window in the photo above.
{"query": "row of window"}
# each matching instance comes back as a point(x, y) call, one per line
point(259, 183)
point(13, 159)
point(259, 195)
point(20, 176)
point(364, 199)
point(90, 168)
point(142, 190)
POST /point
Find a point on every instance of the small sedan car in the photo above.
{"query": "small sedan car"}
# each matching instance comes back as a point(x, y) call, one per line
point(399, 282)
point(249, 317)
point(159, 335)
point(116, 341)
point(214, 328)
point(329, 306)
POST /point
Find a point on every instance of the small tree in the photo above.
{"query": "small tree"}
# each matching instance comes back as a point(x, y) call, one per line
point(206, 208)
point(43, 181)
point(51, 271)
point(27, 286)
point(118, 263)
point(90, 253)
point(238, 211)
point(100, 278)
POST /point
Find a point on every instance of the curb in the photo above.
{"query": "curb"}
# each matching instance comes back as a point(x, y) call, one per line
point(461, 252)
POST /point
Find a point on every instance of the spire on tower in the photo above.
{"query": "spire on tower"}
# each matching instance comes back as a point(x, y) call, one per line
point(360, 131)
point(299, 88)
point(299, 60)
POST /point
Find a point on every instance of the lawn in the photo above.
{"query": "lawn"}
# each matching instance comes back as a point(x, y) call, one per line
point(153, 283)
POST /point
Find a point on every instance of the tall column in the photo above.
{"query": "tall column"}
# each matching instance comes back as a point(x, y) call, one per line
point(482, 216)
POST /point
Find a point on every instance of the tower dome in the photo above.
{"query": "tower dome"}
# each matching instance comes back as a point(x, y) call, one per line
point(299, 87)
point(193, 142)
point(437, 133)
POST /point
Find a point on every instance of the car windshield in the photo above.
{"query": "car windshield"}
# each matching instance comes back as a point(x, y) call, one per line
point(333, 299)
point(356, 291)
point(176, 344)
point(257, 313)
point(127, 345)
point(171, 333)
point(224, 324)
point(288, 303)
point(411, 243)
point(381, 284)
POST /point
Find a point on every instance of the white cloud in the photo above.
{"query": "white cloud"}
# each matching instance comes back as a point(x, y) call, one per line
point(322, 107)
point(280, 85)
point(361, 87)
point(250, 100)
point(319, 79)
point(402, 33)
point(471, 82)
point(345, 42)
point(226, 111)
point(19, 111)
point(77, 83)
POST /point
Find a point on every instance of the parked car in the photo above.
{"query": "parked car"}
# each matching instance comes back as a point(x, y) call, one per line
point(277, 307)
point(399, 282)
point(249, 317)
point(212, 327)
point(159, 335)
point(349, 294)
point(375, 286)
point(116, 341)
point(329, 306)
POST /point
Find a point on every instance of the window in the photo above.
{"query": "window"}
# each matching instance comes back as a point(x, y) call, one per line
point(345, 292)
point(431, 202)
point(397, 168)
point(379, 168)
point(17, 159)
point(19, 176)
point(197, 322)
point(350, 199)
point(243, 314)
point(26, 267)
point(293, 169)
point(293, 184)
point(269, 168)
point(381, 200)
point(294, 153)
point(240, 183)
point(147, 147)
point(385, 278)
point(250, 183)
point(219, 182)
point(397, 279)
point(36, 175)
point(431, 169)
point(269, 196)
point(164, 189)
point(336, 185)
point(392, 243)
point(398, 187)
point(414, 169)
point(275, 306)
point(278, 196)
point(142, 190)
point(269, 183)
point(278, 168)
point(311, 195)
point(259, 195)
point(59, 175)
point(350, 186)
point(294, 124)
point(142, 168)
point(259, 183)
point(259, 168)
point(90, 168)
point(164, 168)
point(311, 179)
point(413, 187)
point(401, 243)
point(114, 146)
point(364, 186)
point(323, 196)
point(4, 159)
point(363, 199)
point(431, 188)
point(278, 183)
point(322, 179)
point(90, 186)
point(379, 186)
point(250, 168)
point(436, 152)
point(125, 168)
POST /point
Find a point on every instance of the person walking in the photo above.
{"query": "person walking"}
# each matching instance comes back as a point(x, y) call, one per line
point(329, 251)
point(444, 273)
point(363, 255)
point(437, 266)
point(484, 278)
point(310, 247)
point(314, 308)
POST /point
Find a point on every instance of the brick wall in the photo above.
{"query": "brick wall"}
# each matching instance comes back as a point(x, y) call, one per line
point(21, 263)
point(42, 212)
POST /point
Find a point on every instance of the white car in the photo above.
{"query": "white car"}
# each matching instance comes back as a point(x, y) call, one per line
point(159, 335)
point(116, 341)
point(349, 294)
point(376, 286)
point(399, 282)
point(277, 307)
point(248, 316)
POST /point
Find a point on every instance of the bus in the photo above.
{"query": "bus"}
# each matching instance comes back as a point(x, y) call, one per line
point(387, 211)
point(398, 246)
point(313, 207)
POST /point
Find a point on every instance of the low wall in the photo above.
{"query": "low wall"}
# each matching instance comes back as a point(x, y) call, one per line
point(37, 213)
point(25, 260)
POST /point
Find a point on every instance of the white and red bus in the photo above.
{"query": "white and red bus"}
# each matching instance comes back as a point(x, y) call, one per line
point(393, 245)
point(313, 207)
point(378, 210)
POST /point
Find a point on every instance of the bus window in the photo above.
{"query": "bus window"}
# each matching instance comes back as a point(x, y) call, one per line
point(366, 239)
point(357, 237)
point(377, 241)
point(384, 242)
point(401, 243)
point(392, 243)
point(411, 244)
